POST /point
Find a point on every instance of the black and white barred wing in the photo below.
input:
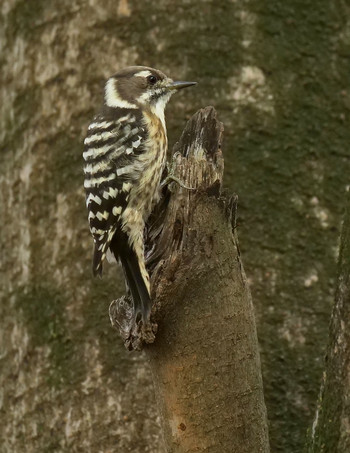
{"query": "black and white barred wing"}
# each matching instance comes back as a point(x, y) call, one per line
point(111, 148)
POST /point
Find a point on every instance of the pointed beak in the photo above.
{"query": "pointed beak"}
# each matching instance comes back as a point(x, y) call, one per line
point(180, 85)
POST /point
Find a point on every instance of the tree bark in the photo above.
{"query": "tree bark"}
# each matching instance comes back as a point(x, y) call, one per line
point(330, 432)
point(205, 360)
point(262, 64)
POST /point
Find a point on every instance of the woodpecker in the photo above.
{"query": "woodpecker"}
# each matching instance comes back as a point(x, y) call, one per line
point(125, 155)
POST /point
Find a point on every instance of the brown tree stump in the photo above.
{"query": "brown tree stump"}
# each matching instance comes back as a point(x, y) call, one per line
point(205, 358)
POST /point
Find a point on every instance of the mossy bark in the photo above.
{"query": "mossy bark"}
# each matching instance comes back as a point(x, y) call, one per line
point(330, 432)
point(205, 359)
point(277, 73)
point(204, 356)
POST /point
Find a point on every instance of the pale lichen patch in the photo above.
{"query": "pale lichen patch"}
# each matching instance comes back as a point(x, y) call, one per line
point(251, 88)
point(93, 379)
point(294, 330)
point(344, 35)
point(123, 8)
point(320, 213)
point(311, 278)
point(248, 21)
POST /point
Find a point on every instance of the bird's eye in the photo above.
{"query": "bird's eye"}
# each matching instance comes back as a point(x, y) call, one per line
point(152, 79)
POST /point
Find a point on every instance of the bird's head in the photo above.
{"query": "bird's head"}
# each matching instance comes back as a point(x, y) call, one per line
point(141, 87)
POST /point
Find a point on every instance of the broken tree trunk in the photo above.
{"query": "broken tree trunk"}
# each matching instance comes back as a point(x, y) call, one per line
point(205, 357)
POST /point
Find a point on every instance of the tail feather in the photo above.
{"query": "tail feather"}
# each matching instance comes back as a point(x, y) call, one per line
point(136, 284)
point(97, 262)
point(133, 274)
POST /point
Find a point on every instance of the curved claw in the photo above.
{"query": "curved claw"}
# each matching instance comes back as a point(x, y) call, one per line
point(170, 178)
point(134, 327)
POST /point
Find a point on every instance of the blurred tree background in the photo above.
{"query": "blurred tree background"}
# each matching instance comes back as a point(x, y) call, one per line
point(278, 74)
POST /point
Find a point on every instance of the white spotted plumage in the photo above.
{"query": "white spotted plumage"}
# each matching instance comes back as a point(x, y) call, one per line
point(125, 155)
point(96, 182)
point(110, 193)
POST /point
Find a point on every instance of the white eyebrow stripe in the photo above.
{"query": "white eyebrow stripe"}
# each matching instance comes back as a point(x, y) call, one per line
point(113, 99)
point(143, 74)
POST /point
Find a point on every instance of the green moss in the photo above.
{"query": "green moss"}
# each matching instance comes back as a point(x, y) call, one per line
point(97, 323)
point(298, 157)
point(24, 102)
point(344, 254)
point(42, 309)
point(300, 152)
point(24, 17)
point(18, 118)
point(66, 165)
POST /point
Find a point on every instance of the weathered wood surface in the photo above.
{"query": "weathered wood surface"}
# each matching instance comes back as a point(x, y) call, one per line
point(205, 358)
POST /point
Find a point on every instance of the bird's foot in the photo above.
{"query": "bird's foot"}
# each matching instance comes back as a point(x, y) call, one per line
point(171, 177)
point(135, 327)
